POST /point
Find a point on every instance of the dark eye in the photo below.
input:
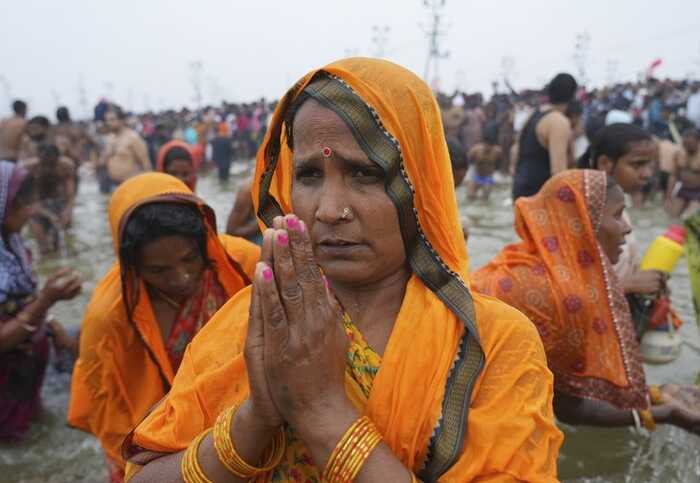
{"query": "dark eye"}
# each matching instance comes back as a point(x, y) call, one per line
point(308, 174)
point(368, 174)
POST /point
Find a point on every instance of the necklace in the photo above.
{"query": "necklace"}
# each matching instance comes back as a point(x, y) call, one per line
point(172, 303)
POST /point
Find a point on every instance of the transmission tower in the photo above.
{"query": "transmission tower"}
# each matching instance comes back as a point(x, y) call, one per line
point(435, 53)
point(380, 38)
point(581, 48)
point(196, 81)
point(82, 96)
point(611, 69)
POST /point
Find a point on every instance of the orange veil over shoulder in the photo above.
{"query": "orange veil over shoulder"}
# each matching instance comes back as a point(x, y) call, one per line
point(123, 368)
point(560, 278)
point(463, 392)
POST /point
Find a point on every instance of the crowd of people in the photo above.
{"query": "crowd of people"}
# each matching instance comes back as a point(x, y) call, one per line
point(291, 347)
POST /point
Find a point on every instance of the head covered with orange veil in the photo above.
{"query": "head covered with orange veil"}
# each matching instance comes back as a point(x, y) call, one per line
point(185, 152)
point(395, 119)
point(560, 278)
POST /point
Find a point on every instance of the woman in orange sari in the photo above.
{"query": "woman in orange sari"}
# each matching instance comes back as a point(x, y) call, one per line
point(173, 273)
point(176, 159)
point(561, 276)
point(414, 376)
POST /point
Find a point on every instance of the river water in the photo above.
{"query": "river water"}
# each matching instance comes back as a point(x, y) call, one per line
point(55, 453)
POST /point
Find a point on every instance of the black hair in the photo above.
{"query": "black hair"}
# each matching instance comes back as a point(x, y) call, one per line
point(611, 185)
point(63, 114)
point(614, 142)
point(489, 133)
point(562, 89)
point(458, 155)
point(42, 121)
point(176, 152)
point(574, 108)
point(19, 107)
point(153, 221)
point(48, 149)
point(117, 110)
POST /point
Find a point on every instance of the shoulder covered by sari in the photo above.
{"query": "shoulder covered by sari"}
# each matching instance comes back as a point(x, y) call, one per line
point(458, 373)
point(123, 368)
point(560, 278)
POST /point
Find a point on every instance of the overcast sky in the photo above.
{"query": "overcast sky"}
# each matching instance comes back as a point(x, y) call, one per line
point(139, 52)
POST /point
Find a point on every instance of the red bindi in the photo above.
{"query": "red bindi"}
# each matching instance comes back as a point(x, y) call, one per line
point(327, 152)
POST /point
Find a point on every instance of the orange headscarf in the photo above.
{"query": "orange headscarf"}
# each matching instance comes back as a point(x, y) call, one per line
point(560, 278)
point(398, 118)
point(123, 368)
point(163, 152)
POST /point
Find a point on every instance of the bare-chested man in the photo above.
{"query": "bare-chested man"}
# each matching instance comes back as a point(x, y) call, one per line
point(242, 221)
point(125, 154)
point(687, 198)
point(37, 132)
point(544, 142)
point(670, 155)
point(11, 132)
point(66, 135)
point(486, 157)
point(55, 181)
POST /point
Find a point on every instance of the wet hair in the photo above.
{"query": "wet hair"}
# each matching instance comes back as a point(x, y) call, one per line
point(62, 114)
point(42, 121)
point(117, 110)
point(489, 133)
point(19, 107)
point(176, 152)
point(562, 88)
point(48, 149)
point(458, 155)
point(614, 142)
point(153, 221)
point(574, 108)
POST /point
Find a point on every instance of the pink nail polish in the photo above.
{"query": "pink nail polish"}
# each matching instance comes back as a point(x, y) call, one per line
point(267, 274)
point(292, 223)
point(302, 226)
point(282, 239)
point(325, 281)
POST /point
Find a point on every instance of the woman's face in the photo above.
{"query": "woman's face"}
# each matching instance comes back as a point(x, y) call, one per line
point(181, 169)
point(635, 168)
point(613, 227)
point(173, 265)
point(332, 175)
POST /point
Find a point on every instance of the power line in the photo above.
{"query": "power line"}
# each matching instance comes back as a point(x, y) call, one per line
point(435, 53)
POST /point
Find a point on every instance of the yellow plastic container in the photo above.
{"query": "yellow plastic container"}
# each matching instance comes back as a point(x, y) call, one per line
point(664, 252)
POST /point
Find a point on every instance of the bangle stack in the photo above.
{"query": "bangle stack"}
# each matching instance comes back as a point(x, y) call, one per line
point(26, 322)
point(192, 471)
point(352, 451)
point(655, 395)
point(229, 457)
point(647, 419)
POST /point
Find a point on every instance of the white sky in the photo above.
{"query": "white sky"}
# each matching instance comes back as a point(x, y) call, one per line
point(138, 51)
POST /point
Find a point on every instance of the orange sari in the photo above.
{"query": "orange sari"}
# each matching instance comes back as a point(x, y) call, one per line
point(458, 372)
point(560, 278)
point(124, 367)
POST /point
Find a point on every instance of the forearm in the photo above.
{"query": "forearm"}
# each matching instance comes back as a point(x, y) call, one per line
point(250, 439)
point(588, 412)
point(322, 435)
point(18, 329)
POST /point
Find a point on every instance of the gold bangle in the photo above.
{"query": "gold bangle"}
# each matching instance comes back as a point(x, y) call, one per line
point(229, 457)
point(352, 451)
point(647, 419)
point(336, 466)
point(655, 395)
point(192, 471)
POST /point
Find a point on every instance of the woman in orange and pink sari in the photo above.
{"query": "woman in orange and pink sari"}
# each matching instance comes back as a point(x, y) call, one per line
point(561, 276)
point(360, 352)
point(173, 272)
point(177, 159)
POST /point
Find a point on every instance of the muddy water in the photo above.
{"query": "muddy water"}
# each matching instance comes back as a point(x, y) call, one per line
point(52, 452)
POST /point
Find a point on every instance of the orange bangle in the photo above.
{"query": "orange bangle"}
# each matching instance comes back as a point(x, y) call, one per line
point(229, 457)
point(351, 452)
point(655, 395)
point(647, 419)
point(192, 471)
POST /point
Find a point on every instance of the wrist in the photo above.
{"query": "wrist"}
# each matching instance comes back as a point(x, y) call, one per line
point(248, 417)
point(662, 414)
point(326, 427)
point(44, 301)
